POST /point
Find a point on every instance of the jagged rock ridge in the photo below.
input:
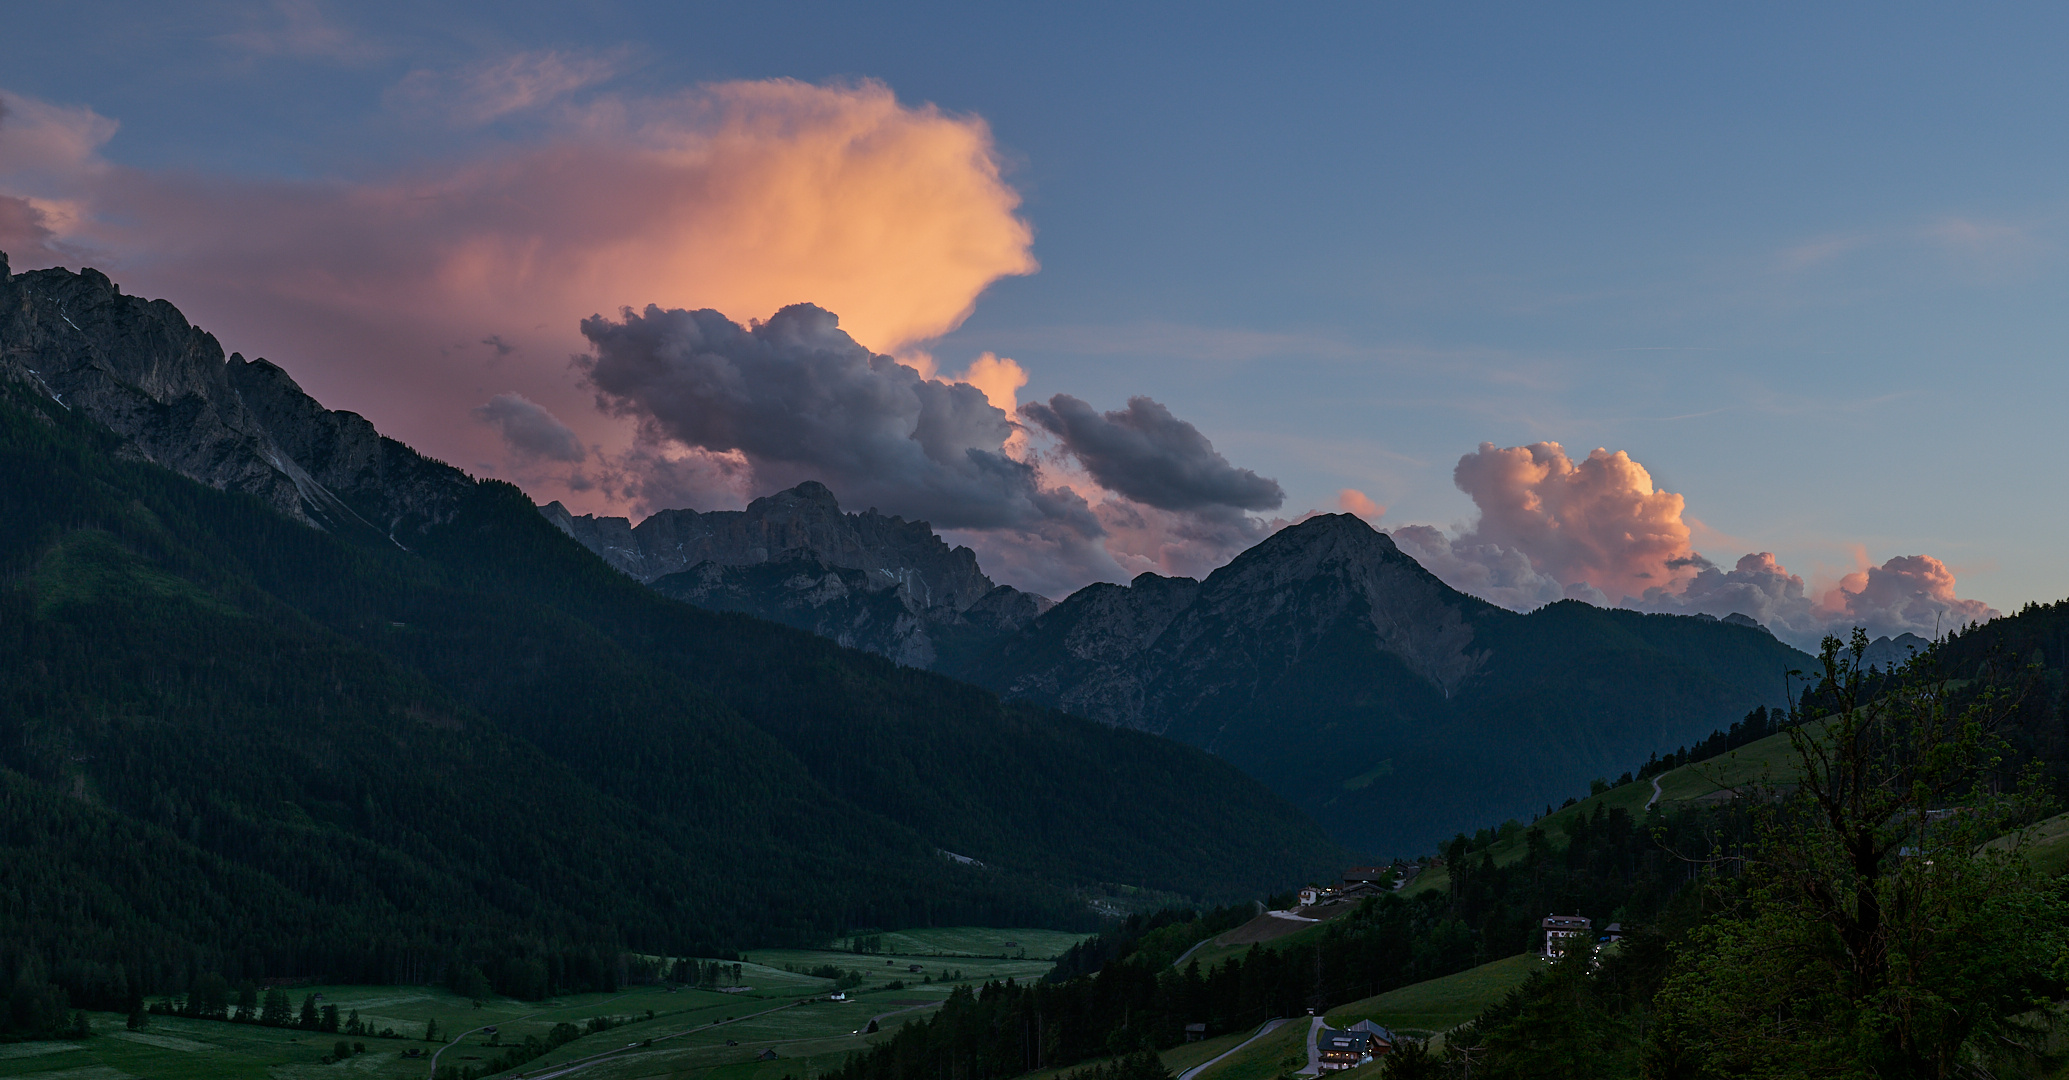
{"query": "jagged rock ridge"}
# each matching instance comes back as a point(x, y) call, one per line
point(138, 367)
point(868, 581)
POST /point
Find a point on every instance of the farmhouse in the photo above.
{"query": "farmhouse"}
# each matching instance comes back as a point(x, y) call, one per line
point(1564, 931)
point(1358, 882)
point(1351, 1047)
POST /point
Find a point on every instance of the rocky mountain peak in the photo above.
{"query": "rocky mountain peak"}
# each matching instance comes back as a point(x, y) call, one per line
point(138, 367)
point(806, 519)
point(810, 497)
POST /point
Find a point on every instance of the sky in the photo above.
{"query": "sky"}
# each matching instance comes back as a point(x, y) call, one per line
point(1105, 289)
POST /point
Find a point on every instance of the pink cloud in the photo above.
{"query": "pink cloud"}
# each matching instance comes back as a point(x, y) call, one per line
point(1353, 501)
point(1598, 521)
point(380, 294)
point(1597, 530)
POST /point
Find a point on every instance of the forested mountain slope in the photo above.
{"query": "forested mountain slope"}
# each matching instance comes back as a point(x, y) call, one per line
point(1389, 705)
point(235, 741)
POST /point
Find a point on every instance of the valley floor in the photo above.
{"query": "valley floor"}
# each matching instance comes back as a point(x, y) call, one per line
point(784, 1012)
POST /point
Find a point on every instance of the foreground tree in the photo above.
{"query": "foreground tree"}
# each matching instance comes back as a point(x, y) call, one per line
point(1881, 928)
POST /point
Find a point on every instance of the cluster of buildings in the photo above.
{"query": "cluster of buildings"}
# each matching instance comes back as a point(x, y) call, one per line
point(1358, 882)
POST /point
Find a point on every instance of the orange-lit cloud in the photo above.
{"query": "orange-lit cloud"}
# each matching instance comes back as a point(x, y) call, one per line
point(1551, 528)
point(1598, 521)
point(1353, 501)
point(1000, 379)
point(379, 295)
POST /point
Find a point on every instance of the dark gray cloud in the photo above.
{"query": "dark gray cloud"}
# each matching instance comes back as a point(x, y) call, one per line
point(1151, 456)
point(529, 429)
point(801, 400)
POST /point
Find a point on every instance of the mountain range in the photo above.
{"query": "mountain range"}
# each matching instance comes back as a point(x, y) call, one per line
point(280, 696)
point(1324, 660)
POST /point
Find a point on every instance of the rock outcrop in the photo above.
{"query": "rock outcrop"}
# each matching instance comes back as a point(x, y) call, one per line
point(883, 584)
point(138, 367)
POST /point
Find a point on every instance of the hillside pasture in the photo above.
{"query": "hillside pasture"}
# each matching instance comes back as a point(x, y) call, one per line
point(1438, 1005)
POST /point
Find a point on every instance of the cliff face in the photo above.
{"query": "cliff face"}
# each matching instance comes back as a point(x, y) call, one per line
point(883, 584)
point(140, 368)
point(894, 552)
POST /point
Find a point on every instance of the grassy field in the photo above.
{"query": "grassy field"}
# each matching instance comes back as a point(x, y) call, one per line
point(2046, 844)
point(1427, 1008)
point(689, 1028)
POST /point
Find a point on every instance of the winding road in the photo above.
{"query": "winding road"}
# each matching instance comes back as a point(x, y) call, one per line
point(1269, 1027)
point(1314, 1053)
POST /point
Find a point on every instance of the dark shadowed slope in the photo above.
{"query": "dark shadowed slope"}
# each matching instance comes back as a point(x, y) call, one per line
point(438, 729)
point(1396, 709)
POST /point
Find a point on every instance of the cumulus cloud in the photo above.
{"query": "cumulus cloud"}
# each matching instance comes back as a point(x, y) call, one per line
point(529, 429)
point(397, 295)
point(1598, 520)
point(1151, 456)
point(1000, 378)
point(741, 196)
point(800, 399)
point(725, 409)
point(1551, 528)
point(1353, 501)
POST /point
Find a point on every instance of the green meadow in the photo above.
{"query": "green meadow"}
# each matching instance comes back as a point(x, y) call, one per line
point(1438, 1005)
point(781, 1011)
point(1282, 1051)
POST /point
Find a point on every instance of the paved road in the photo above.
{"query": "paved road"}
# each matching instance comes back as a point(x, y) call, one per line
point(1314, 1052)
point(1180, 962)
point(1269, 1027)
point(1655, 792)
point(879, 1018)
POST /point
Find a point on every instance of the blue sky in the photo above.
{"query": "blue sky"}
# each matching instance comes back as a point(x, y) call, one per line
point(1804, 265)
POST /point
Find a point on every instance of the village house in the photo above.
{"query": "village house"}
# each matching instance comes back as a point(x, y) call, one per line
point(1358, 882)
point(1348, 1048)
point(1564, 931)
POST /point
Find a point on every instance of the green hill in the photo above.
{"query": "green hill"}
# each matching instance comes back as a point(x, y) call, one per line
point(232, 742)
